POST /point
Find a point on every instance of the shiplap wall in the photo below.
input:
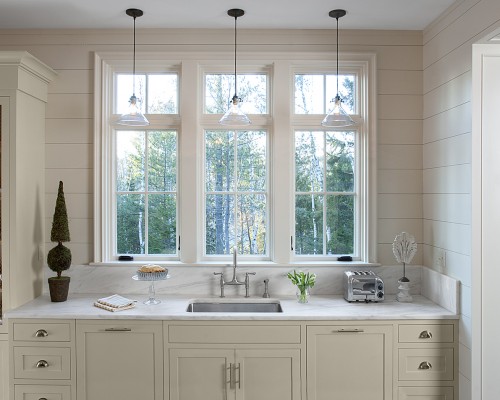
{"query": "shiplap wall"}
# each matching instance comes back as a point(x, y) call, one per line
point(447, 60)
point(69, 148)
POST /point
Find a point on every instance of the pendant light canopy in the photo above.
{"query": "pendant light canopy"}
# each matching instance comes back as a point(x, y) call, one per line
point(337, 117)
point(234, 116)
point(133, 116)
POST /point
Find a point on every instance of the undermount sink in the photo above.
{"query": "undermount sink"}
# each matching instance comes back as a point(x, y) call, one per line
point(235, 307)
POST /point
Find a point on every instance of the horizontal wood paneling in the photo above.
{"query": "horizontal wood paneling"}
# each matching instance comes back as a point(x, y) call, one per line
point(73, 81)
point(448, 207)
point(399, 156)
point(451, 151)
point(450, 236)
point(400, 181)
point(451, 179)
point(70, 105)
point(457, 264)
point(69, 156)
point(448, 95)
point(71, 130)
point(455, 121)
point(389, 228)
point(400, 206)
point(400, 106)
point(75, 180)
point(399, 82)
point(400, 131)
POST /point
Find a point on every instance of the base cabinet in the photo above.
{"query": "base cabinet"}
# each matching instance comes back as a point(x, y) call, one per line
point(231, 360)
point(119, 360)
point(249, 374)
point(347, 362)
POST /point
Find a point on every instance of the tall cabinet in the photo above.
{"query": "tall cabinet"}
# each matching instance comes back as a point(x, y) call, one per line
point(24, 84)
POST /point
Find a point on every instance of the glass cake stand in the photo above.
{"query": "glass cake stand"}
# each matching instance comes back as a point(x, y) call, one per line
point(153, 278)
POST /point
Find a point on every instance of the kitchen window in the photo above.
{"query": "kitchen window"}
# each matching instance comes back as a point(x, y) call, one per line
point(283, 190)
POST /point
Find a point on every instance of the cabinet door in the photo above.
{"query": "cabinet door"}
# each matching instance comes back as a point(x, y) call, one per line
point(349, 363)
point(122, 361)
point(271, 374)
point(201, 374)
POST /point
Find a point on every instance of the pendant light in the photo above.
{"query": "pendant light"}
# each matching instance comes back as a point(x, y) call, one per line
point(337, 117)
point(133, 116)
point(234, 116)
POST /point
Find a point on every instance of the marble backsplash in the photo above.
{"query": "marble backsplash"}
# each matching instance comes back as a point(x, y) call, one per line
point(200, 280)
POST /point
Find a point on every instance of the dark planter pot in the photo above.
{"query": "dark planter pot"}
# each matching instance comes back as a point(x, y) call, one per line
point(58, 288)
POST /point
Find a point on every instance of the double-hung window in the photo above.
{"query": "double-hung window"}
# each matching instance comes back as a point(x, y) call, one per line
point(283, 189)
point(236, 170)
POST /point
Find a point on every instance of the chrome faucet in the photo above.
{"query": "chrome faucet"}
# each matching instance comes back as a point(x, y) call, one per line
point(235, 281)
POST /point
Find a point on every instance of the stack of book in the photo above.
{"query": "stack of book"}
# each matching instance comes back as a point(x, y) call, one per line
point(115, 303)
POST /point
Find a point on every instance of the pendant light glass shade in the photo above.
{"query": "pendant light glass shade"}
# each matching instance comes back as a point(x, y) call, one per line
point(337, 117)
point(133, 116)
point(234, 116)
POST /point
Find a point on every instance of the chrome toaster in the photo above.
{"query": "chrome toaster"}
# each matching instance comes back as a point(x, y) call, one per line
point(363, 286)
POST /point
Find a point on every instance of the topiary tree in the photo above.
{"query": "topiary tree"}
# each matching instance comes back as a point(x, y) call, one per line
point(59, 258)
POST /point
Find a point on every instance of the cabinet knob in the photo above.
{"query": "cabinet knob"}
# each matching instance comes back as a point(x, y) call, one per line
point(425, 335)
point(425, 365)
point(41, 333)
point(42, 364)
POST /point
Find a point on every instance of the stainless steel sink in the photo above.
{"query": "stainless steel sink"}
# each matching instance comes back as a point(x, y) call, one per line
point(234, 307)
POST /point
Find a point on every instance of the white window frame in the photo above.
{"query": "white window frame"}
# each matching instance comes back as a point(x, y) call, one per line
point(280, 125)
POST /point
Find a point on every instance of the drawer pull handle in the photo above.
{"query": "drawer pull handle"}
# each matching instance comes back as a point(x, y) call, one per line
point(117, 329)
point(42, 364)
point(425, 365)
point(41, 333)
point(355, 330)
point(425, 335)
point(42, 398)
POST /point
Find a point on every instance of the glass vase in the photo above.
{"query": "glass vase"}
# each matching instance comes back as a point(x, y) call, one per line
point(302, 295)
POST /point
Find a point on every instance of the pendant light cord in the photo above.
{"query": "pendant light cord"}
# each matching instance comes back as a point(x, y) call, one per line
point(235, 45)
point(133, 67)
point(337, 56)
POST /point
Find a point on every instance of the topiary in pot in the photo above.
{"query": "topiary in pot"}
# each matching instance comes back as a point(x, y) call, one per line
point(59, 258)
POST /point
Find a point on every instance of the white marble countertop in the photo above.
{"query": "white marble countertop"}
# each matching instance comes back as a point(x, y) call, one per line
point(80, 306)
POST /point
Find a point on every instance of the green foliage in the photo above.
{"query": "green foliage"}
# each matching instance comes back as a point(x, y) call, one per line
point(302, 280)
point(325, 199)
point(60, 227)
point(59, 259)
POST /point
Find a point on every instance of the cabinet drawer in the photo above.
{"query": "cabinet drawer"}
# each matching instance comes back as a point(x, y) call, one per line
point(232, 334)
point(426, 364)
point(42, 362)
point(42, 332)
point(426, 333)
point(425, 393)
point(37, 392)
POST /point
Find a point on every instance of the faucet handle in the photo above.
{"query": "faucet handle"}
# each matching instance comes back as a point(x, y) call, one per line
point(250, 273)
point(218, 273)
point(266, 294)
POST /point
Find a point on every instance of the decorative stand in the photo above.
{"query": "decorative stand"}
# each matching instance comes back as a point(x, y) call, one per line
point(404, 248)
point(404, 295)
point(151, 300)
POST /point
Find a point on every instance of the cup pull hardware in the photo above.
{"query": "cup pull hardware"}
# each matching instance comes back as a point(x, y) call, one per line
point(42, 364)
point(425, 365)
point(41, 333)
point(118, 329)
point(425, 335)
point(354, 330)
point(42, 398)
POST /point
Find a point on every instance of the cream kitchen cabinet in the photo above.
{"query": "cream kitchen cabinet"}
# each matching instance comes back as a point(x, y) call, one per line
point(426, 360)
point(43, 359)
point(119, 360)
point(349, 362)
point(234, 361)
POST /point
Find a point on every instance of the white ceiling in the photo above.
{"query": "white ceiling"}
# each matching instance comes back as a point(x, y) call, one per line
point(260, 14)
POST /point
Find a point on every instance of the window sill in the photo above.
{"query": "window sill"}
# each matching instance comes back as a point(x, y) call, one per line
point(257, 264)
